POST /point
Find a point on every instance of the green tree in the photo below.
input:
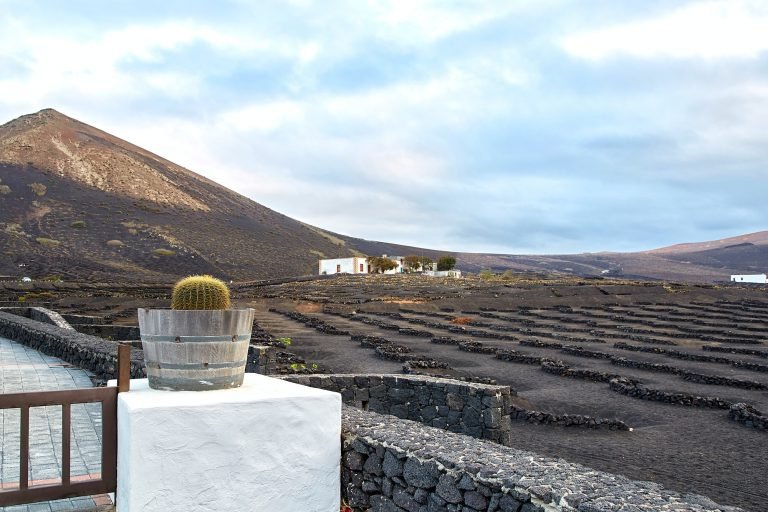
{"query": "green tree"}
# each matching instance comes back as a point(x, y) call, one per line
point(446, 263)
point(379, 264)
point(414, 263)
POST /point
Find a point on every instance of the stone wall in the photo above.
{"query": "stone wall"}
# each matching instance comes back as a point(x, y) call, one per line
point(396, 465)
point(39, 314)
point(87, 352)
point(748, 416)
point(477, 410)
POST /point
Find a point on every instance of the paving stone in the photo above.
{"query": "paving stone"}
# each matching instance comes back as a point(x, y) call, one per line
point(24, 369)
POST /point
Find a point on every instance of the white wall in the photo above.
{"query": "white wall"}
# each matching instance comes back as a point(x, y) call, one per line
point(343, 265)
point(353, 265)
point(750, 278)
point(443, 273)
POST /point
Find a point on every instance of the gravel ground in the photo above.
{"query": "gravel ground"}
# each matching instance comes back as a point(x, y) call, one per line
point(686, 449)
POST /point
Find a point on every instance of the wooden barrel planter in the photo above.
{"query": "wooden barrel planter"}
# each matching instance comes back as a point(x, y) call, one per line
point(195, 350)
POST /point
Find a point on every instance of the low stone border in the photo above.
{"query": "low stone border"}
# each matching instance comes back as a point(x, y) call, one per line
point(413, 366)
point(568, 420)
point(631, 388)
point(445, 340)
point(315, 323)
point(517, 357)
point(748, 365)
point(713, 380)
point(476, 347)
point(748, 416)
point(580, 352)
point(563, 370)
point(393, 465)
point(734, 350)
point(540, 344)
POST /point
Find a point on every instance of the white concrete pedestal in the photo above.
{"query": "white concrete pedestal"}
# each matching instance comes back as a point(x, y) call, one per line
point(268, 445)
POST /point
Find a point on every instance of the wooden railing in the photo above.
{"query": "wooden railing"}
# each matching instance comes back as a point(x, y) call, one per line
point(24, 491)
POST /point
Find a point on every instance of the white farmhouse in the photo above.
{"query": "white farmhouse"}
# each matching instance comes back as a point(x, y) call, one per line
point(356, 265)
point(749, 278)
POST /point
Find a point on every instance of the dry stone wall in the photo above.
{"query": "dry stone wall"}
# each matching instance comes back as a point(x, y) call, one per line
point(478, 410)
point(396, 465)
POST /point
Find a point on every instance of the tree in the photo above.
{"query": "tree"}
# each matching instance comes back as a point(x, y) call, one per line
point(446, 263)
point(381, 264)
point(414, 263)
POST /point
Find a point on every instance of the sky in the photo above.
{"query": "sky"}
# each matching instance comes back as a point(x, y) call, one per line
point(524, 127)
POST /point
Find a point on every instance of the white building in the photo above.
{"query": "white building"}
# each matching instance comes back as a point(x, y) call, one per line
point(749, 278)
point(443, 273)
point(356, 265)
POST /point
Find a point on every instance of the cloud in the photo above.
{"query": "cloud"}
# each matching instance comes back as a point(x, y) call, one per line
point(470, 126)
point(262, 117)
point(707, 30)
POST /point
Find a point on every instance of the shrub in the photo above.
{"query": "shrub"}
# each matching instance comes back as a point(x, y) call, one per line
point(200, 292)
point(47, 242)
point(38, 188)
point(78, 224)
point(5, 189)
point(115, 243)
point(163, 252)
point(486, 274)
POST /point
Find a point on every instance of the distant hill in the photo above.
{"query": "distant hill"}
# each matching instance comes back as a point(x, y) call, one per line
point(759, 239)
point(81, 204)
point(709, 261)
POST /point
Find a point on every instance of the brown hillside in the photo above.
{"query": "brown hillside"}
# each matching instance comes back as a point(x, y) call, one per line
point(80, 203)
point(758, 238)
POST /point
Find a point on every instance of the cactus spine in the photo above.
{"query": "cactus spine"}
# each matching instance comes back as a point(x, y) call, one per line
point(200, 292)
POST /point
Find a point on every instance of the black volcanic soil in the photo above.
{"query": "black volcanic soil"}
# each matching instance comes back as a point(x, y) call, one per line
point(687, 449)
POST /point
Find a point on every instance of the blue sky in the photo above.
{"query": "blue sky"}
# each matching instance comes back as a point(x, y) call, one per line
point(540, 126)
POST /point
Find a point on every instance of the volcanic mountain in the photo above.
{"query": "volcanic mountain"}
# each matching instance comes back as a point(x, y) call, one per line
point(81, 204)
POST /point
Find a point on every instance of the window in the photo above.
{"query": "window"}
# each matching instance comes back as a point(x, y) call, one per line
point(338, 268)
point(361, 267)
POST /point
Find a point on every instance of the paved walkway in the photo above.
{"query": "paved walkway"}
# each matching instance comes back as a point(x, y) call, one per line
point(25, 369)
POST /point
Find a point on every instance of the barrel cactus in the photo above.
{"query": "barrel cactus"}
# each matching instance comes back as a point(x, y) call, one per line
point(200, 292)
